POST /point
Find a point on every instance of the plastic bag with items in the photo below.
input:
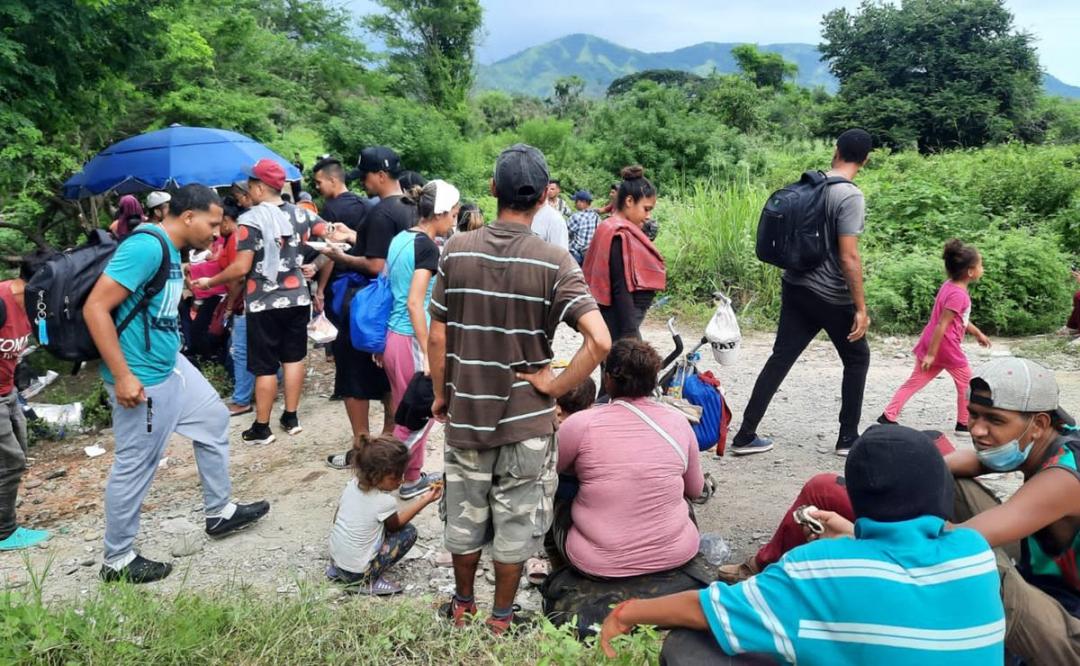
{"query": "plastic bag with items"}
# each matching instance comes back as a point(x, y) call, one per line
point(723, 332)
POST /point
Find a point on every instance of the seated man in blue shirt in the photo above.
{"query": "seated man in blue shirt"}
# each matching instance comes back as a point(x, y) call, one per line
point(906, 590)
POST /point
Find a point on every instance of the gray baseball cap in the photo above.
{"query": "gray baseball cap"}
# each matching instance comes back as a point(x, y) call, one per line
point(521, 174)
point(1018, 385)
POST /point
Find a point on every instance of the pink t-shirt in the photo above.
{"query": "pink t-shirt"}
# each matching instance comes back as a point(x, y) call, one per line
point(630, 516)
point(950, 354)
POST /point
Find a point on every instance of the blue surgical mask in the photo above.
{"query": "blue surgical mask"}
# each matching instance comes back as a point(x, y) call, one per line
point(1007, 457)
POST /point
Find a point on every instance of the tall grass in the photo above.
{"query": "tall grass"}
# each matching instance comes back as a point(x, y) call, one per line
point(707, 235)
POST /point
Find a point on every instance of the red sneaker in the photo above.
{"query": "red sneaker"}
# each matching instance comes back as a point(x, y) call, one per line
point(459, 613)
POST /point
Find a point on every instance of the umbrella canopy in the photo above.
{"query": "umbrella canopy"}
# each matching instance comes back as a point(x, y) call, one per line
point(172, 157)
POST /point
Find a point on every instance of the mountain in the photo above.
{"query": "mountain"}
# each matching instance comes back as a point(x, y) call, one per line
point(599, 62)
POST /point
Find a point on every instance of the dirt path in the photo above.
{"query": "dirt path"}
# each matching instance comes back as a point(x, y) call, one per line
point(288, 548)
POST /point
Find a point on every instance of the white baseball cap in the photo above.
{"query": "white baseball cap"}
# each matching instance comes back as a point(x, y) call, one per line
point(155, 199)
point(446, 196)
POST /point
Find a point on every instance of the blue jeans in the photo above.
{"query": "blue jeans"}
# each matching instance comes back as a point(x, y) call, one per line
point(243, 380)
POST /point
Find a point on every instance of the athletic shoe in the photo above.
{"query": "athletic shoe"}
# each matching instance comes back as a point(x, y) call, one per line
point(758, 445)
point(244, 516)
point(419, 487)
point(737, 573)
point(22, 538)
point(516, 619)
point(139, 570)
point(290, 423)
point(459, 613)
point(258, 433)
point(884, 420)
point(377, 588)
point(844, 444)
point(960, 427)
point(340, 460)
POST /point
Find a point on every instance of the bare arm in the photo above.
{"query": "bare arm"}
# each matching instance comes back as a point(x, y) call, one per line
point(106, 296)
point(436, 351)
point(980, 337)
point(370, 266)
point(851, 265)
point(595, 345)
point(233, 272)
point(682, 610)
point(406, 513)
point(935, 341)
point(965, 465)
point(1048, 497)
point(417, 308)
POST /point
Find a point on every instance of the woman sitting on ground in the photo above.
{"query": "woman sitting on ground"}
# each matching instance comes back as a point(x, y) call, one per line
point(636, 461)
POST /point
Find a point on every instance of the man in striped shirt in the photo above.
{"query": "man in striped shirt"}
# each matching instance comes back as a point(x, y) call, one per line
point(499, 295)
point(907, 589)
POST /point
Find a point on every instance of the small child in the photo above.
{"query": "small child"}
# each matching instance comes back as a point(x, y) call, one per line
point(580, 398)
point(370, 533)
point(939, 346)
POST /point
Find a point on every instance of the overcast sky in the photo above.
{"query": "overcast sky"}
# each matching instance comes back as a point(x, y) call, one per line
point(658, 25)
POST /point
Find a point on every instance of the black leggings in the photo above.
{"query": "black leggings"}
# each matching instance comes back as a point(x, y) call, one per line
point(803, 314)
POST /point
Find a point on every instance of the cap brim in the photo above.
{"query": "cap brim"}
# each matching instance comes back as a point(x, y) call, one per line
point(355, 174)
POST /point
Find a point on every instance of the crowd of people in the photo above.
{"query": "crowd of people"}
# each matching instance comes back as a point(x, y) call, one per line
point(598, 480)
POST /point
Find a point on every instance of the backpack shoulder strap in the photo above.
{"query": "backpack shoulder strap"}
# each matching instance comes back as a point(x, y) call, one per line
point(151, 288)
point(660, 431)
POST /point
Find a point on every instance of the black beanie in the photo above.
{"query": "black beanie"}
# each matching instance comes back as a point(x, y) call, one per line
point(895, 473)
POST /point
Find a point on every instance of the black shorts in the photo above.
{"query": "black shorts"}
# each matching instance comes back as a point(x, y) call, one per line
point(275, 337)
point(356, 375)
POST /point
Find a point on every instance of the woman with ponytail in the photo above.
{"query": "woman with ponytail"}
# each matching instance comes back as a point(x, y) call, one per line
point(623, 268)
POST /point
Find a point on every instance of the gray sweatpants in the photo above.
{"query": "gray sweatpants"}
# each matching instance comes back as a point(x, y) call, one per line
point(12, 459)
point(186, 404)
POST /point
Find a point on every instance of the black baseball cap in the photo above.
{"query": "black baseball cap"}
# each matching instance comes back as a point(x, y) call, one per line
point(374, 159)
point(521, 174)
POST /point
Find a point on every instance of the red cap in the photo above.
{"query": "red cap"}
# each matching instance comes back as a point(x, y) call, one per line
point(269, 172)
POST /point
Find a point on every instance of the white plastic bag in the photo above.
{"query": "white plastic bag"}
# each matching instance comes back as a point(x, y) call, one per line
point(723, 332)
point(321, 331)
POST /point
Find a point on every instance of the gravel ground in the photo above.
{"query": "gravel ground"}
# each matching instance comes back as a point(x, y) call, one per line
point(287, 549)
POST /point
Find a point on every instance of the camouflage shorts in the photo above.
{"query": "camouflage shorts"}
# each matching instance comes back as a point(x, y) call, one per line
point(502, 496)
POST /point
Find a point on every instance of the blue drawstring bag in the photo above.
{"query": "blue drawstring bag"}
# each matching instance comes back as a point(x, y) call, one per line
point(712, 428)
point(343, 289)
point(369, 316)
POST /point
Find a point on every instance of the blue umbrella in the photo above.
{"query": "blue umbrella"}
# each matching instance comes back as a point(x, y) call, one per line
point(172, 157)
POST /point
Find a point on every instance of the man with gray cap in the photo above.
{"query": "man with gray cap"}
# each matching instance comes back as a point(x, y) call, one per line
point(499, 295)
point(908, 589)
point(157, 203)
point(1017, 425)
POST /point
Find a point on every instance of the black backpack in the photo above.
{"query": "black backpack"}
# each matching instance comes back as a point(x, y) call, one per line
point(56, 294)
point(792, 232)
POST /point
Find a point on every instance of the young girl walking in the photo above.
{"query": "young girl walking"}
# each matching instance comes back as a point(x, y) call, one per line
point(939, 346)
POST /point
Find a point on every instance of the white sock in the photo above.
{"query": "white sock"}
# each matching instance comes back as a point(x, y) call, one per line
point(226, 513)
point(119, 563)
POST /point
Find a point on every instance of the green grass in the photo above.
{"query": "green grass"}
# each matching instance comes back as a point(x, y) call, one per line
point(122, 624)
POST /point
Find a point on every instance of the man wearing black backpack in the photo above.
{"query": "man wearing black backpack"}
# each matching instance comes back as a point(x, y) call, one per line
point(154, 390)
point(827, 296)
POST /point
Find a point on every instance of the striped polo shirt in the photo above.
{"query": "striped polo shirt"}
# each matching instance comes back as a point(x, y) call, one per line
point(502, 291)
point(911, 592)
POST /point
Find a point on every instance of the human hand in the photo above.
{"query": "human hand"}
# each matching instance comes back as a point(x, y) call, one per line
point(434, 493)
point(308, 271)
point(542, 380)
point(927, 362)
point(859, 326)
point(318, 300)
point(378, 359)
point(129, 391)
point(613, 627)
point(333, 251)
point(202, 284)
point(835, 525)
point(981, 338)
point(439, 409)
point(424, 366)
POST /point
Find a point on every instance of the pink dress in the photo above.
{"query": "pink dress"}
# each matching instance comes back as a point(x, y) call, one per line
point(630, 516)
point(949, 354)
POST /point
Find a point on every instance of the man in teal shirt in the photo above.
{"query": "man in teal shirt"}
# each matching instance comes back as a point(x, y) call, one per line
point(153, 389)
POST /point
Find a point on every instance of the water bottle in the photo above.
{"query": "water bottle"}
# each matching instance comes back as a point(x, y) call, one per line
point(677, 382)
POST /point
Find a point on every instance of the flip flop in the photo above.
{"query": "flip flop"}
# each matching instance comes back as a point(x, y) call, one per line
point(237, 410)
point(537, 570)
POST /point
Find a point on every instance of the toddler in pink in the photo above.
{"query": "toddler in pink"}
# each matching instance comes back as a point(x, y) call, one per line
point(939, 346)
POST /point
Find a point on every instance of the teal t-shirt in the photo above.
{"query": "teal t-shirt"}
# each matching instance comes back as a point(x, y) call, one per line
point(134, 264)
point(409, 252)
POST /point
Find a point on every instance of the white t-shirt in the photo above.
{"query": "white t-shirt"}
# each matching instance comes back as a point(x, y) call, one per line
point(358, 528)
point(549, 225)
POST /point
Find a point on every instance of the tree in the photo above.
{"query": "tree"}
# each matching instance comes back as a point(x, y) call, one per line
point(934, 73)
point(766, 70)
point(567, 100)
point(665, 77)
point(432, 46)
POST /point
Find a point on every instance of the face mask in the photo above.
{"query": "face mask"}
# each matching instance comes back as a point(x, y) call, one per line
point(1007, 457)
